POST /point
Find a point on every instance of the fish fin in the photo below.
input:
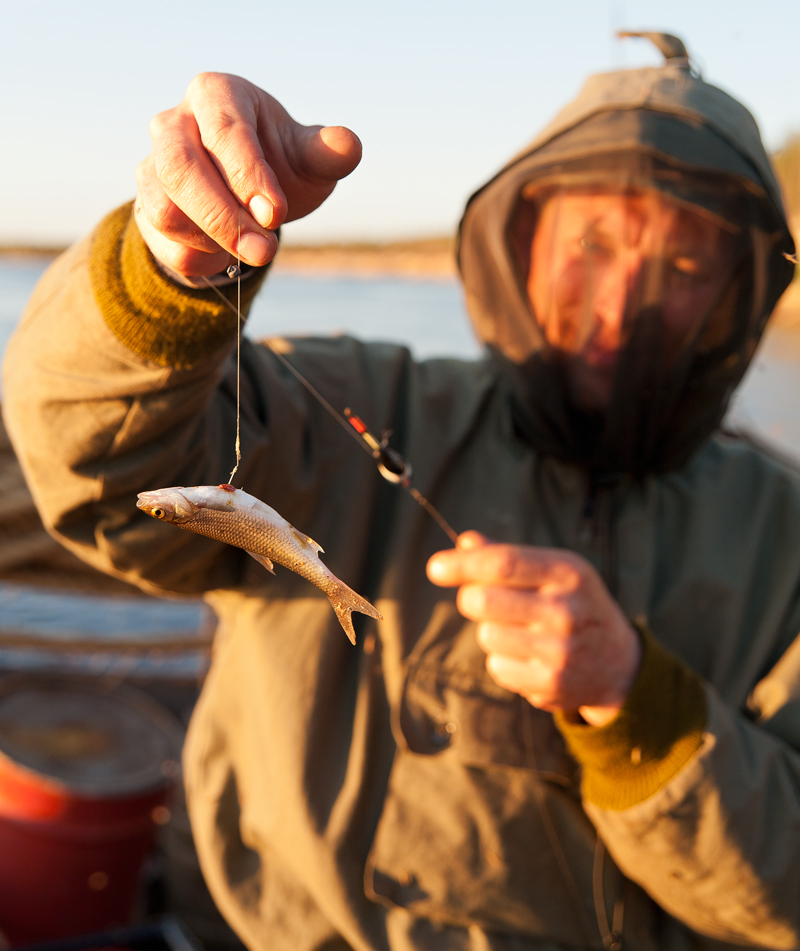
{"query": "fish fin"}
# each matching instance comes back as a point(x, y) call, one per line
point(262, 560)
point(345, 601)
point(345, 619)
point(306, 540)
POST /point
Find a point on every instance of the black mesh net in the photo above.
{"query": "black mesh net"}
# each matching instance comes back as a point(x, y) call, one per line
point(622, 295)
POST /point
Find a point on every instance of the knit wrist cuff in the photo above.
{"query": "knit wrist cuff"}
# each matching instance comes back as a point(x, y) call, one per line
point(656, 733)
point(159, 320)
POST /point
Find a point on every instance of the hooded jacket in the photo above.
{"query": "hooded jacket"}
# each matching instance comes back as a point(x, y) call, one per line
point(392, 796)
point(658, 129)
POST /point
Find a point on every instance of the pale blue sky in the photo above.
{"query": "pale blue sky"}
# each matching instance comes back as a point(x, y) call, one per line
point(440, 92)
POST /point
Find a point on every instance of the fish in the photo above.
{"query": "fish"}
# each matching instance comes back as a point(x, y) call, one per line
point(231, 515)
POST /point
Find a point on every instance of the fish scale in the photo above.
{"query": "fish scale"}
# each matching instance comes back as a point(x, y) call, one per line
point(232, 516)
point(247, 532)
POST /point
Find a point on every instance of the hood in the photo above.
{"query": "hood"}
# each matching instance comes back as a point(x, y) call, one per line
point(658, 129)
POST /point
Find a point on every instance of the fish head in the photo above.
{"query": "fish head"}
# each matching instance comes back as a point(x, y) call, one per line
point(168, 505)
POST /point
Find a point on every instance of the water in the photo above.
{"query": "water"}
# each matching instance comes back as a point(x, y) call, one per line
point(428, 316)
point(767, 402)
point(117, 636)
point(18, 277)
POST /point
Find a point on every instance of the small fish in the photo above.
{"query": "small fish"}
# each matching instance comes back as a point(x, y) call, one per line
point(231, 515)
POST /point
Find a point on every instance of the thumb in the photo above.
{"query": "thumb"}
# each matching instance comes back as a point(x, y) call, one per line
point(470, 540)
point(329, 153)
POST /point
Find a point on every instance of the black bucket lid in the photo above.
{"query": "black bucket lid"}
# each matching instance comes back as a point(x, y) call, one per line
point(94, 740)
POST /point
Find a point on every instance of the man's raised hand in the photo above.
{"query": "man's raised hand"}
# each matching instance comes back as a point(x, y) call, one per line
point(550, 629)
point(231, 155)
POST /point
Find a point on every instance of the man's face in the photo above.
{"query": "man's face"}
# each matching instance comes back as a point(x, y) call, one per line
point(598, 258)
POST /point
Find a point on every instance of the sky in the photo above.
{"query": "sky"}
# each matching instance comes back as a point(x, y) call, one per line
point(441, 92)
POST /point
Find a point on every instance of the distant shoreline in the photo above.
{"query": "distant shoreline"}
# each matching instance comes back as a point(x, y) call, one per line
point(422, 258)
point(31, 250)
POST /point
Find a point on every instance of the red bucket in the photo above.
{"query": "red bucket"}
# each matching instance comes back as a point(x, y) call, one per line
point(84, 774)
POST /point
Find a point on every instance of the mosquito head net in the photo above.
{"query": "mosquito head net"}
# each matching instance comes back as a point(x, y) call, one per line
point(621, 269)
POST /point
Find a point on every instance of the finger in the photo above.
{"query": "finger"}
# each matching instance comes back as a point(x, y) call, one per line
point(329, 152)
point(262, 154)
point(192, 181)
point(467, 541)
point(549, 569)
point(179, 257)
point(164, 216)
point(226, 111)
point(514, 606)
point(527, 677)
point(515, 640)
point(174, 240)
point(308, 160)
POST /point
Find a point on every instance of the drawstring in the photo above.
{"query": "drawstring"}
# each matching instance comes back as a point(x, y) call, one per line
point(612, 937)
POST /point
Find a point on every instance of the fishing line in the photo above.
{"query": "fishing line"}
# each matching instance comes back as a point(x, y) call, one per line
point(235, 270)
point(290, 367)
point(391, 465)
point(238, 350)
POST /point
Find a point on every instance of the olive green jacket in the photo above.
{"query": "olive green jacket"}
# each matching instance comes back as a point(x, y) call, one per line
point(391, 795)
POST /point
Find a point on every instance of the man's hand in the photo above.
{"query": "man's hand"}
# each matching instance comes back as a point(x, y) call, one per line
point(551, 630)
point(231, 155)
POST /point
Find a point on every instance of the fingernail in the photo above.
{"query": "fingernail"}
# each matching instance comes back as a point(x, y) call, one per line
point(471, 540)
point(254, 248)
point(262, 210)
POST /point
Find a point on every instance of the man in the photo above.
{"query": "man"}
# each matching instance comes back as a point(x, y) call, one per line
point(554, 744)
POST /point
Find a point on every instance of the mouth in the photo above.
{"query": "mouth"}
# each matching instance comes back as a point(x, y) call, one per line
point(600, 360)
point(592, 382)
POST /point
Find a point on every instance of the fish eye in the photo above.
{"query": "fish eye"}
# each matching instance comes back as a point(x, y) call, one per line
point(159, 513)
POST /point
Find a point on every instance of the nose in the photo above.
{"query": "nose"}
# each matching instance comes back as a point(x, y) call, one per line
point(614, 288)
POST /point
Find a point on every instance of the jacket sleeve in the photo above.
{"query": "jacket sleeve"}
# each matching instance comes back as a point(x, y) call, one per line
point(118, 380)
point(697, 804)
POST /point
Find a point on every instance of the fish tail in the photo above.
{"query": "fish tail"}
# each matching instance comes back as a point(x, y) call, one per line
point(345, 601)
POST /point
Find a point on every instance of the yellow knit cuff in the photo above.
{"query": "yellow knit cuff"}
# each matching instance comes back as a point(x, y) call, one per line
point(656, 733)
point(161, 321)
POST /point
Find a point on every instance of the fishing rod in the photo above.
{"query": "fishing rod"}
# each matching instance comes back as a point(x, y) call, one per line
point(391, 464)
